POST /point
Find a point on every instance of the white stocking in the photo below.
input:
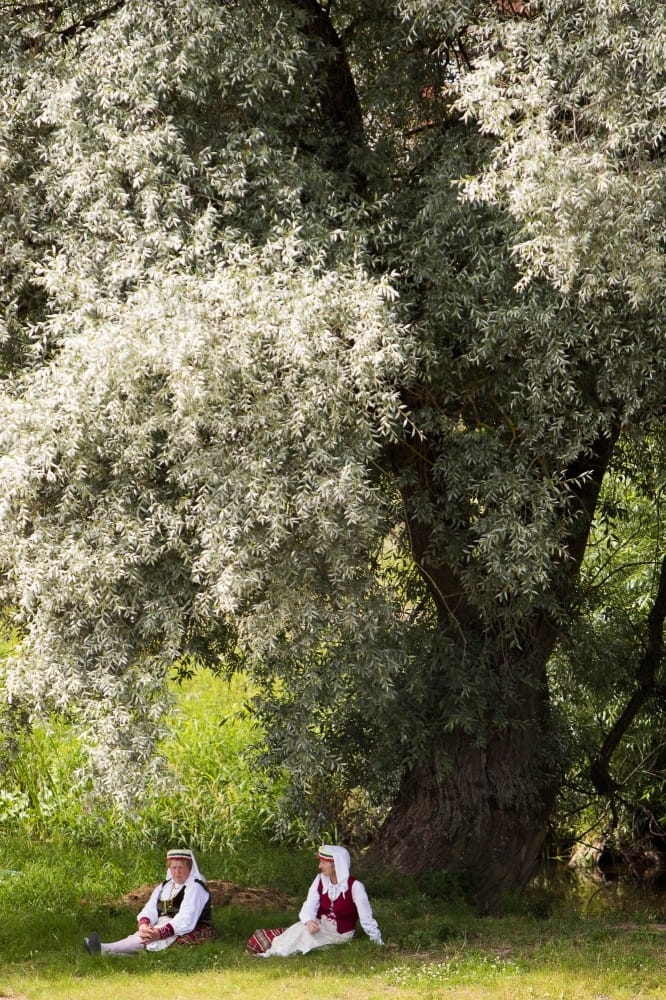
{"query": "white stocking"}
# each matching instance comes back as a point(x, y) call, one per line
point(126, 946)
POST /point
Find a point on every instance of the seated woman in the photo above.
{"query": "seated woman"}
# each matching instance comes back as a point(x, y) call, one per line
point(178, 912)
point(335, 902)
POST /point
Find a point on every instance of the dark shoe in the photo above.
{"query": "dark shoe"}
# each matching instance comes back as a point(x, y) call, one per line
point(93, 944)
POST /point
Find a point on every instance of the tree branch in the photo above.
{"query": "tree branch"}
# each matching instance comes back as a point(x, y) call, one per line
point(52, 11)
point(92, 20)
point(338, 97)
point(646, 674)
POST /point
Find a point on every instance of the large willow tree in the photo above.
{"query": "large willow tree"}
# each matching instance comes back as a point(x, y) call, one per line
point(320, 325)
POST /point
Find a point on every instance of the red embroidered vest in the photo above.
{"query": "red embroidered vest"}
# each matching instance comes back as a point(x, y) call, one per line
point(342, 910)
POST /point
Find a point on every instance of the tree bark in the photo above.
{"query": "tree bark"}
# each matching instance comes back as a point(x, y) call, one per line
point(479, 805)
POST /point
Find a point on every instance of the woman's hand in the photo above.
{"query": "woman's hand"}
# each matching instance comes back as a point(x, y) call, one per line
point(148, 933)
point(313, 926)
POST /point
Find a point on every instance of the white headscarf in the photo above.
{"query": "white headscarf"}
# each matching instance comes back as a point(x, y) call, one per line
point(342, 863)
point(194, 870)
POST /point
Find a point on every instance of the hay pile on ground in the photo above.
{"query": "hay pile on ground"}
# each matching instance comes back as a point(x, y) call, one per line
point(224, 894)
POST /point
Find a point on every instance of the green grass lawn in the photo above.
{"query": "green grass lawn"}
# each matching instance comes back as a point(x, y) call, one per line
point(498, 959)
point(435, 947)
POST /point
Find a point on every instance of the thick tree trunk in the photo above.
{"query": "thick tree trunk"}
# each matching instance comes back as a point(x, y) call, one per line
point(479, 805)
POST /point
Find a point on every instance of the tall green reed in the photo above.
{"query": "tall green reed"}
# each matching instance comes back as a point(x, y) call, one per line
point(214, 794)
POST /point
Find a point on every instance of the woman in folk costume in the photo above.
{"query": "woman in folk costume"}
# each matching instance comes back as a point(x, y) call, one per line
point(178, 911)
point(335, 902)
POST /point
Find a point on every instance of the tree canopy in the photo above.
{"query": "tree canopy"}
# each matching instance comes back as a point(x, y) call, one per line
point(320, 328)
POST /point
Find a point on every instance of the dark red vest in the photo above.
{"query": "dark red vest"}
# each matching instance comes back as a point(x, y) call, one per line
point(342, 910)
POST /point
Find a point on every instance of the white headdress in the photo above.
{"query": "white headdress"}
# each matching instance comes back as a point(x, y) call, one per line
point(340, 858)
point(187, 855)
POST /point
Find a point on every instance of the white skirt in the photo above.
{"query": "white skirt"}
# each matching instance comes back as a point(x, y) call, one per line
point(298, 939)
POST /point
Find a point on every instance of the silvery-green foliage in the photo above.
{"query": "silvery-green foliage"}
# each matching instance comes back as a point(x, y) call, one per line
point(204, 453)
point(228, 324)
point(575, 94)
point(213, 376)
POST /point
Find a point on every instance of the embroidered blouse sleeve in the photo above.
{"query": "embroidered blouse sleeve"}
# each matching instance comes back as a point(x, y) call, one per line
point(366, 919)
